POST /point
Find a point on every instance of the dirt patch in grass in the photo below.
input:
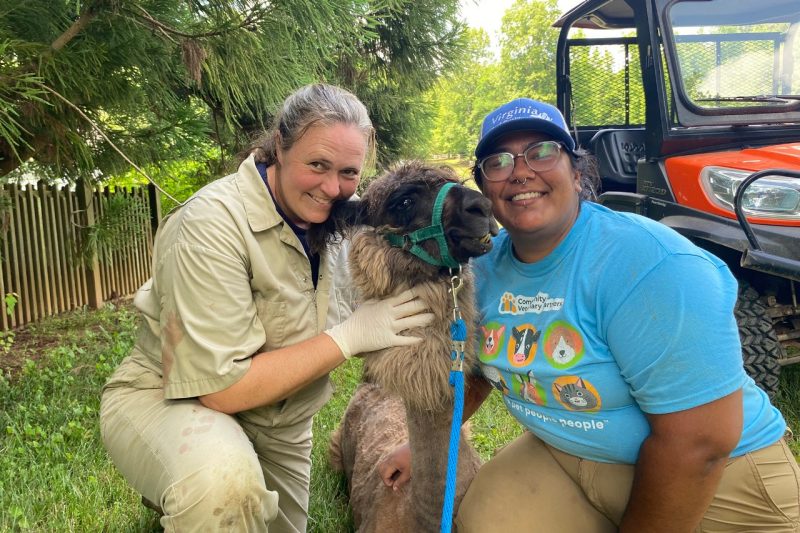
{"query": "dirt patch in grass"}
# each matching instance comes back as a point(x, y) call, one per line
point(26, 345)
point(33, 340)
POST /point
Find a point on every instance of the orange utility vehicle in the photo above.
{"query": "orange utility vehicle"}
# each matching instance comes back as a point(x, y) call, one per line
point(692, 108)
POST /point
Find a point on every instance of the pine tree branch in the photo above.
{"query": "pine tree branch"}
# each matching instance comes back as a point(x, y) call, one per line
point(77, 27)
point(109, 141)
point(148, 26)
point(252, 18)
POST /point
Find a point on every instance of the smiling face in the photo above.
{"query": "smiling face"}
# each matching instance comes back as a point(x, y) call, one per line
point(324, 165)
point(537, 208)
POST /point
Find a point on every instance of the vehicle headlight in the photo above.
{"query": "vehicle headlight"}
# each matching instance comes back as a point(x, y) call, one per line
point(768, 197)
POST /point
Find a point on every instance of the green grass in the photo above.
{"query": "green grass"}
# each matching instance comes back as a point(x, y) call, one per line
point(55, 473)
point(788, 400)
point(53, 469)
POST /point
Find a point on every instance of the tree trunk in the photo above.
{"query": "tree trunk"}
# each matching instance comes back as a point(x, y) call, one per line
point(8, 160)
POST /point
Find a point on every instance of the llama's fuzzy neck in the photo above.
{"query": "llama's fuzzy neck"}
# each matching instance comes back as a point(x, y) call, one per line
point(419, 374)
point(429, 438)
point(429, 435)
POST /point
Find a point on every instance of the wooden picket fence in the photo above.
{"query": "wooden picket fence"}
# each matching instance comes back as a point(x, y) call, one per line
point(48, 264)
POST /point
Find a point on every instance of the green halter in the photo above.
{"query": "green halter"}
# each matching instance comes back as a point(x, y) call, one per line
point(434, 231)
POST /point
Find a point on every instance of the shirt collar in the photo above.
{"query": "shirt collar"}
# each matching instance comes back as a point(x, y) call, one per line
point(261, 211)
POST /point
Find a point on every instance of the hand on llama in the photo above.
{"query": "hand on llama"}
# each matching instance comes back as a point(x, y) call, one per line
point(376, 324)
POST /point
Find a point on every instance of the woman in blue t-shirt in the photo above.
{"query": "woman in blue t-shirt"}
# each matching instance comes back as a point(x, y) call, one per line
point(613, 341)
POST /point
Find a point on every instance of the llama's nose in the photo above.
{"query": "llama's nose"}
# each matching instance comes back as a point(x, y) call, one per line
point(478, 205)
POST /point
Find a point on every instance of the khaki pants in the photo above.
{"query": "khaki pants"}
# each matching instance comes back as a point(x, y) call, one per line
point(530, 486)
point(204, 469)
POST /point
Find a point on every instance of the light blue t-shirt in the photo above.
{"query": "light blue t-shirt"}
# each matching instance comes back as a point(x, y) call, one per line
point(624, 317)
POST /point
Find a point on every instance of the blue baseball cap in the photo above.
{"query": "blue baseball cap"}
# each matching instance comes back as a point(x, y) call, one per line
point(523, 114)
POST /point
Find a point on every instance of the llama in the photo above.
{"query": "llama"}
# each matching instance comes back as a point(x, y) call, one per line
point(405, 395)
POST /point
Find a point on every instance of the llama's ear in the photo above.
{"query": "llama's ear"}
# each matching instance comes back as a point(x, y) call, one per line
point(345, 215)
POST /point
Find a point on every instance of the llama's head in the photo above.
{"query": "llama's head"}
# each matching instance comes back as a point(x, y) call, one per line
point(409, 207)
point(417, 223)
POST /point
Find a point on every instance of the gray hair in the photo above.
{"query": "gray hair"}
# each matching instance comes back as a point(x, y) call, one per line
point(582, 162)
point(309, 106)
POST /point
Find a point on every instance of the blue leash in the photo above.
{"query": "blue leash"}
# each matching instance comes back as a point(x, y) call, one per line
point(458, 338)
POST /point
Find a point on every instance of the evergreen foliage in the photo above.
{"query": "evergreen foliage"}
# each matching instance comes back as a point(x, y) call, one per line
point(168, 80)
point(481, 82)
point(416, 42)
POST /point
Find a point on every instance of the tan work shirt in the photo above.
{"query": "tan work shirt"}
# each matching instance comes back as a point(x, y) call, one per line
point(231, 279)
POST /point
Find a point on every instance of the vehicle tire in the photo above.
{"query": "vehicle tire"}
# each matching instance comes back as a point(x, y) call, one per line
point(760, 347)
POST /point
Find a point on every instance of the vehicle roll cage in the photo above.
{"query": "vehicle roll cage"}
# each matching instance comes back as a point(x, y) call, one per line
point(675, 125)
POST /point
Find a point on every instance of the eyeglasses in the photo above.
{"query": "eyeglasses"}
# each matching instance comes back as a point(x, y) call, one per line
point(539, 157)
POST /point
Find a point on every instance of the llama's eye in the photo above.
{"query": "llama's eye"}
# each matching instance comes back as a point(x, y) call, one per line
point(403, 200)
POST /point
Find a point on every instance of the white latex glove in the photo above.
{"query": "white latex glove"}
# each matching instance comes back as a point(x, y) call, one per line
point(376, 324)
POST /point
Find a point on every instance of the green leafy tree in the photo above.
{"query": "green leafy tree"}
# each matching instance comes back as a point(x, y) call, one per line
point(462, 98)
point(528, 49)
point(155, 76)
point(526, 67)
point(166, 80)
point(416, 42)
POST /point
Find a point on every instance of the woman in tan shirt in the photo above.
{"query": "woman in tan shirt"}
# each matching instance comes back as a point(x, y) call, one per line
point(210, 415)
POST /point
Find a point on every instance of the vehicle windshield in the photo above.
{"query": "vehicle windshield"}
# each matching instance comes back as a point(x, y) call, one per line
point(732, 54)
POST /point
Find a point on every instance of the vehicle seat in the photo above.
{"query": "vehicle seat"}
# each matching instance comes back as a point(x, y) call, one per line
point(618, 152)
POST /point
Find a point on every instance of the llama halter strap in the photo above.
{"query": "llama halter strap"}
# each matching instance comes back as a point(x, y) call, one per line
point(411, 241)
